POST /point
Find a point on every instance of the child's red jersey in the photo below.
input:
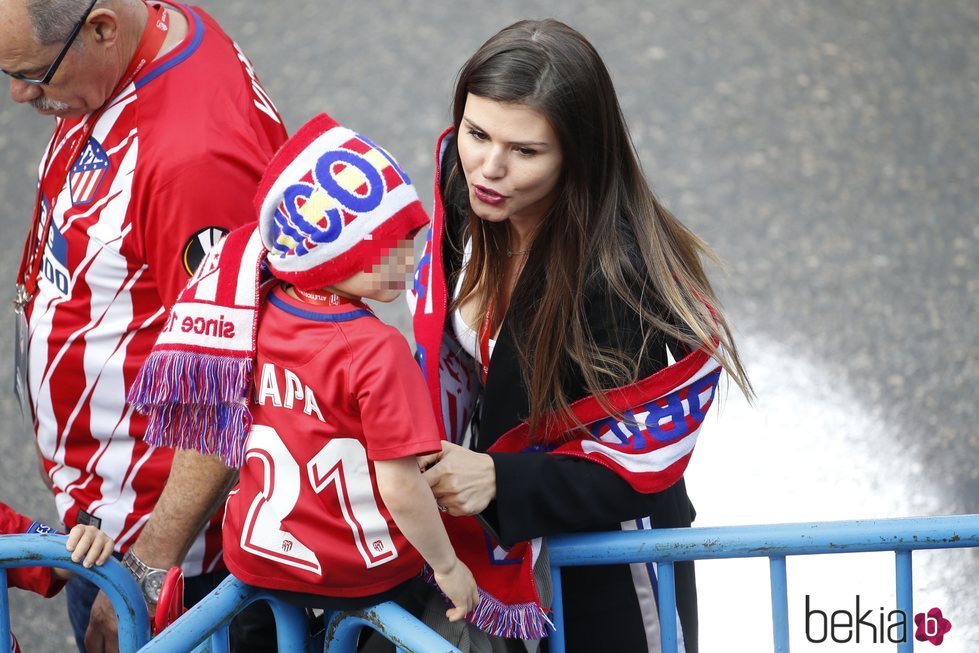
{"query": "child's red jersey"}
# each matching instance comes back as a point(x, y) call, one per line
point(335, 390)
point(35, 579)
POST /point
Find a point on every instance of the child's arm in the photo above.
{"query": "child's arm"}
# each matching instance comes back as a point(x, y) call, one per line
point(411, 504)
point(89, 546)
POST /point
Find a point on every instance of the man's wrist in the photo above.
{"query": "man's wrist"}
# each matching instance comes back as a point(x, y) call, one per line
point(150, 579)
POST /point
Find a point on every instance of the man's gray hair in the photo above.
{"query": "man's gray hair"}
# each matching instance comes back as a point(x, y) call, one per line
point(53, 20)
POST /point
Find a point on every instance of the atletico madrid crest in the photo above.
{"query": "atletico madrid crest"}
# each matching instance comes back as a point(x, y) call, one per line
point(88, 172)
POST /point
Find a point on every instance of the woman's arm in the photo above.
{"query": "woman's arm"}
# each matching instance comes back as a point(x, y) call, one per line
point(527, 495)
point(540, 494)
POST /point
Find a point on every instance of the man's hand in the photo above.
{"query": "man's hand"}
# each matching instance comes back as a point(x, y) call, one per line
point(195, 489)
point(103, 631)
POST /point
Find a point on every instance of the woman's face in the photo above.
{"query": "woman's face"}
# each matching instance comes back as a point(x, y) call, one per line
point(512, 161)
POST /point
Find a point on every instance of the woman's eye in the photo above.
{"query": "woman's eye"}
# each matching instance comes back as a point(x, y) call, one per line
point(478, 135)
point(526, 151)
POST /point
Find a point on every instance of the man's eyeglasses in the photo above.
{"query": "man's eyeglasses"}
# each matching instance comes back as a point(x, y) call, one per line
point(53, 68)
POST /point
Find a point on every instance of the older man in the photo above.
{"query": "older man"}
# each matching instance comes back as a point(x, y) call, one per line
point(161, 136)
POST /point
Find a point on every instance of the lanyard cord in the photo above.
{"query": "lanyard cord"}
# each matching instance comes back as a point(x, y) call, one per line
point(329, 299)
point(484, 338)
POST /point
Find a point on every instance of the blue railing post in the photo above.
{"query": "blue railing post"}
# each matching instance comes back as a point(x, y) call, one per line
point(667, 606)
point(4, 611)
point(905, 598)
point(557, 604)
point(780, 604)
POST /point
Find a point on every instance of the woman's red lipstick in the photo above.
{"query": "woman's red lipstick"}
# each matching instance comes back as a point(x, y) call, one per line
point(488, 195)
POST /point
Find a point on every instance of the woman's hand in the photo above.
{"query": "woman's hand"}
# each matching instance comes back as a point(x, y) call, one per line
point(463, 481)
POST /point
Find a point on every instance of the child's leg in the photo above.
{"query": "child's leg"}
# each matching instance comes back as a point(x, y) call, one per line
point(80, 595)
point(252, 631)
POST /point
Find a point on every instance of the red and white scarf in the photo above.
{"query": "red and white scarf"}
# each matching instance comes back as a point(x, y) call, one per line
point(195, 384)
point(649, 445)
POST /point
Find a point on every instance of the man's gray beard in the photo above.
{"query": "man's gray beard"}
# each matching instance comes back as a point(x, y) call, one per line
point(44, 104)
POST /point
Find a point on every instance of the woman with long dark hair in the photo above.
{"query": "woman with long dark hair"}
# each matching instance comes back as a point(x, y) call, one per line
point(565, 314)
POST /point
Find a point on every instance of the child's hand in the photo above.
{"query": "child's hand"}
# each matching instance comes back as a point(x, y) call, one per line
point(457, 583)
point(89, 545)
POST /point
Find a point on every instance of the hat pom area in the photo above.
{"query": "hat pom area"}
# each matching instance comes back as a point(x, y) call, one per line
point(331, 204)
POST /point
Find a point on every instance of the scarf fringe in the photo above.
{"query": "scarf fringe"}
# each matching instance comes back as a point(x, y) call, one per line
point(179, 377)
point(195, 401)
point(516, 621)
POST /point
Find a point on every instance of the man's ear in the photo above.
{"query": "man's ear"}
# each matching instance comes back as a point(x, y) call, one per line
point(104, 25)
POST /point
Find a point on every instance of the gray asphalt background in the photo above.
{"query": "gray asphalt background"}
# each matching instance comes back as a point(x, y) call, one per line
point(827, 150)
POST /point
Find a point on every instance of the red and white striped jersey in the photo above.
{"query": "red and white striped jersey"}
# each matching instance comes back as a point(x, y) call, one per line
point(172, 164)
point(334, 390)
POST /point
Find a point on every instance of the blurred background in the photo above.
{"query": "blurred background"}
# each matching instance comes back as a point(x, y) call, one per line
point(828, 151)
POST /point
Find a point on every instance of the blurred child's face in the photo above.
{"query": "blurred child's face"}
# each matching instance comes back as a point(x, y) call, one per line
point(386, 279)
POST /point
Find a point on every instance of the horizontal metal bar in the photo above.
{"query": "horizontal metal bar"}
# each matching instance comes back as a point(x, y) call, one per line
point(764, 540)
point(390, 620)
point(216, 610)
point(212, 613)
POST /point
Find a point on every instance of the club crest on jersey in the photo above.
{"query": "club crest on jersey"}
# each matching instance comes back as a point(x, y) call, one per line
point(345, 183)
point(87, 174)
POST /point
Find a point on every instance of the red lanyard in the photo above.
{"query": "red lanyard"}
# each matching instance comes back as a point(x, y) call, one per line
point(155, 32)
point(484, 338)
point(329, 299)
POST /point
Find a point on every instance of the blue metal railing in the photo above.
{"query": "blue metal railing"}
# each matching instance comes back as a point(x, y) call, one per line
point(399, 627)
point(205, 625)
point(774, 541)
point(112, 578)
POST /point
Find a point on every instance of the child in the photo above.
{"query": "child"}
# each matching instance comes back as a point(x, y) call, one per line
point(88, 545)
point(330, 503)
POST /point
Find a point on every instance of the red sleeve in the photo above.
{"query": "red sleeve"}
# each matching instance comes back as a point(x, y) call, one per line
point(188, 214)
point(35, 579)
point(388, 386)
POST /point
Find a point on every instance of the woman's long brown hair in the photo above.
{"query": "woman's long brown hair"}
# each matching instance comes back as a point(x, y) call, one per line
point(606, 227)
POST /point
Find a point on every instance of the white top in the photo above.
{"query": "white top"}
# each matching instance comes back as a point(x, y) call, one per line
point(468, 336)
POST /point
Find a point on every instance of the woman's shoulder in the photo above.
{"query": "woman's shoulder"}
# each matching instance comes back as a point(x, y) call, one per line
point(628, 317)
